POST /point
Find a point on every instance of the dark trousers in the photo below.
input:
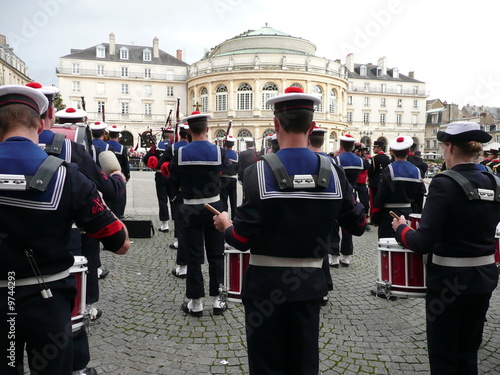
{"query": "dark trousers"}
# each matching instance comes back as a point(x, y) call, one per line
point(200, 236)
point(90, 250)
point(228, 190)
point(81, 352)
point(363, 196)
point(346, 246)
point(44, 325)
point(162, 193)
point(282, 339)
point(181, 247)
point(373, 194)
point(455, 325)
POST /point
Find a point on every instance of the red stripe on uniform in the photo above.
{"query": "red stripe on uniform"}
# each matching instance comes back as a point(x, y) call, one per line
point(403, 236)
point(108, 230)
point(375, 210)
point(238, 237)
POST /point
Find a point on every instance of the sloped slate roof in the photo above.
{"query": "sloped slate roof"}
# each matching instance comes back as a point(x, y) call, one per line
point(371, 73)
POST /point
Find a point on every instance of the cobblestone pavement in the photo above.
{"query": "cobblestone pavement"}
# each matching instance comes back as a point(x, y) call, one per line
point(143, 330)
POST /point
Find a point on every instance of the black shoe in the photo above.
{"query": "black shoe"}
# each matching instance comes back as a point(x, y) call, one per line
point(367, 228)
point(324, 301)
point(95, 314)
point(174, 272)
point(197, 314)
point(89, 371)
point(103, 274)
point(173, 247)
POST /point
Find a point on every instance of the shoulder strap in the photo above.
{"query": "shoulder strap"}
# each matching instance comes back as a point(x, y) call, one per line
point(462, 181)
point(283, 178)
point(56, 147)
point(325, 170)
point(44, 173)
point(496, 182)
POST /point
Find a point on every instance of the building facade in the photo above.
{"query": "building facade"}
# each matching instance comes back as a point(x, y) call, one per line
point(13, 71)
point(133, 86)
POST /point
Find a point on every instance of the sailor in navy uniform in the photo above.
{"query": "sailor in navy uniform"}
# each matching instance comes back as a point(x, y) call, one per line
point(401, 186)
point(166, 139)
point(284, 283)
point(494, 161)
point(353, 165)
point(46, 195)
point(379, 161)
point(98, 129)
point(229, 178)
point(195, 170)
point(458, 228)
point(121, 152)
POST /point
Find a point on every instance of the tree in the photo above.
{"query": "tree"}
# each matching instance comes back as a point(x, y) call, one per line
point(58, 102)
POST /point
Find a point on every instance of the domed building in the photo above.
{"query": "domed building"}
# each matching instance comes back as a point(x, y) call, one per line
point(234, 79)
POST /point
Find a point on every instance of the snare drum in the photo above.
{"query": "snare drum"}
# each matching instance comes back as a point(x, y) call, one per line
point(73, 132)
point(235, 265)
point(497, 244)
point(401, 271)
point(415, 220)
point(79, 271)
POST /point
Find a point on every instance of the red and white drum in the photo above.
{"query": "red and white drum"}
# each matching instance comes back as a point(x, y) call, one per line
point(401, 271)
point(415, 220)
point(235, 265)
point(79, 271)
point(497, 245)
point(73, 132)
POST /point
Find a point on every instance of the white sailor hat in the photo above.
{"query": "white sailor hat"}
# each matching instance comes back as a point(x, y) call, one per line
point(269, 136)
point(196, 116)
point(98, 126)
point(274, 137)
point(18, 94)
point(248, 139)
point(184, 126)
point(347, 138)
point(168, 129)
point(463, 132)
point(114, 129)
point(318, 131)
point(230, 138)
point(293, 98)
point(402, 142)
point(48, 91)
point(71, 113)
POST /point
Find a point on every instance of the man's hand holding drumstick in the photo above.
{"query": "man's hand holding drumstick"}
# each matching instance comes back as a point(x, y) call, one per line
point(221, 219)
point(397, 221)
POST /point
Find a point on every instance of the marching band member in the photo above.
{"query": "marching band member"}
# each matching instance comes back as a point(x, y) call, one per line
point(229, 178)
point(121, 152)
point(462, 274)
point(287, 247)
point(379, 161)
point(38, 264)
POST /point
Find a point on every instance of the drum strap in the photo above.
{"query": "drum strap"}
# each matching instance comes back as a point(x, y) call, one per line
point(471, 192)
point(285, 181)
point(40, 181)
point(56, 147)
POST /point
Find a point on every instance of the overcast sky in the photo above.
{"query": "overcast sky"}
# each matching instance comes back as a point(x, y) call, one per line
point(450, 45)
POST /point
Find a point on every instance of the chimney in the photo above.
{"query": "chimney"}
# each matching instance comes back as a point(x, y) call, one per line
point(179, 54)
point(3, 39)
point(382, 62)
point(156, 48)
point(349, 62)
point(411, 75)
point(112, 47)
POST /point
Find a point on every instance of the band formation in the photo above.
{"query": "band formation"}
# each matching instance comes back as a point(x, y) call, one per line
point(66, 180)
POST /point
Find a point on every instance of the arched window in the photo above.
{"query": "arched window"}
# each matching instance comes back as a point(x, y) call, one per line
point(296, 85)
point(244, 97)
point(362, 71)
point(204, 100)
point(221, 98)
point(267, 132)
point(318, 92)
point(220, 134)
point(268, 91)
point(243, 133)
point(333, 101)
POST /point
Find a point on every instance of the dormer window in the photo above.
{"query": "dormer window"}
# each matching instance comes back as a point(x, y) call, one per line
point(100, 51)
point(124, 53)
point(362, 71)
point(146, 54)
point(379, 71)
point(395, 73)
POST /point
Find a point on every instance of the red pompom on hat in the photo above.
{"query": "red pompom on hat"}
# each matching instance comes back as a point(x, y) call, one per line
point(293, 89)
point(71, 113)
point(196, 116)
point(70, 110)
point(400, 139)
point(294, 98)
point(347, 138)
point(401, 143)
point(34, 85)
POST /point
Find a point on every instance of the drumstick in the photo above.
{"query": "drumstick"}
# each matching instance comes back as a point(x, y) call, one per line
point(394, 215)
point(211, 209)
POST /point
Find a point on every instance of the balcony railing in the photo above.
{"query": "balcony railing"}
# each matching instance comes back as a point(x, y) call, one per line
point(118, 74)
point(388, 90)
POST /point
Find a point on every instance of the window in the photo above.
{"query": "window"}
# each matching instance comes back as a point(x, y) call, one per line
point(100, 107)
point(400, 103)
point(349, 116)
point(244, 97)
point(399, 118)
point(382, 118)
point(147, 109)
point(362, 70)
point(497, 138)
point(333, 101)
point(204, 100)
point(170, 74)
point(379, 71)
point(243, 133)
point(148, 90)
point(221, 98)
point(124, 53)
point(124, 108)
point(170, 90)
point(318, 92)
point(124, 88)
point(76, 69)
point(415, 90)
point(296, 85)
point(349, 100)
point(366, 117)
point(146, 55)
point(268, 91)
point(382, 102)
point(414, 119)
point(220, 134)
point(367, 86)
point(428, 144)
point(395, 73)
point(367, 100)
point(435, 118)
point(75, 86)
point(100, 70)
point(415, 104)
point(100, 88)
point(399, 89)
point(124, 71)
point(100, 51)
point(147, 72)
point(383, 87)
